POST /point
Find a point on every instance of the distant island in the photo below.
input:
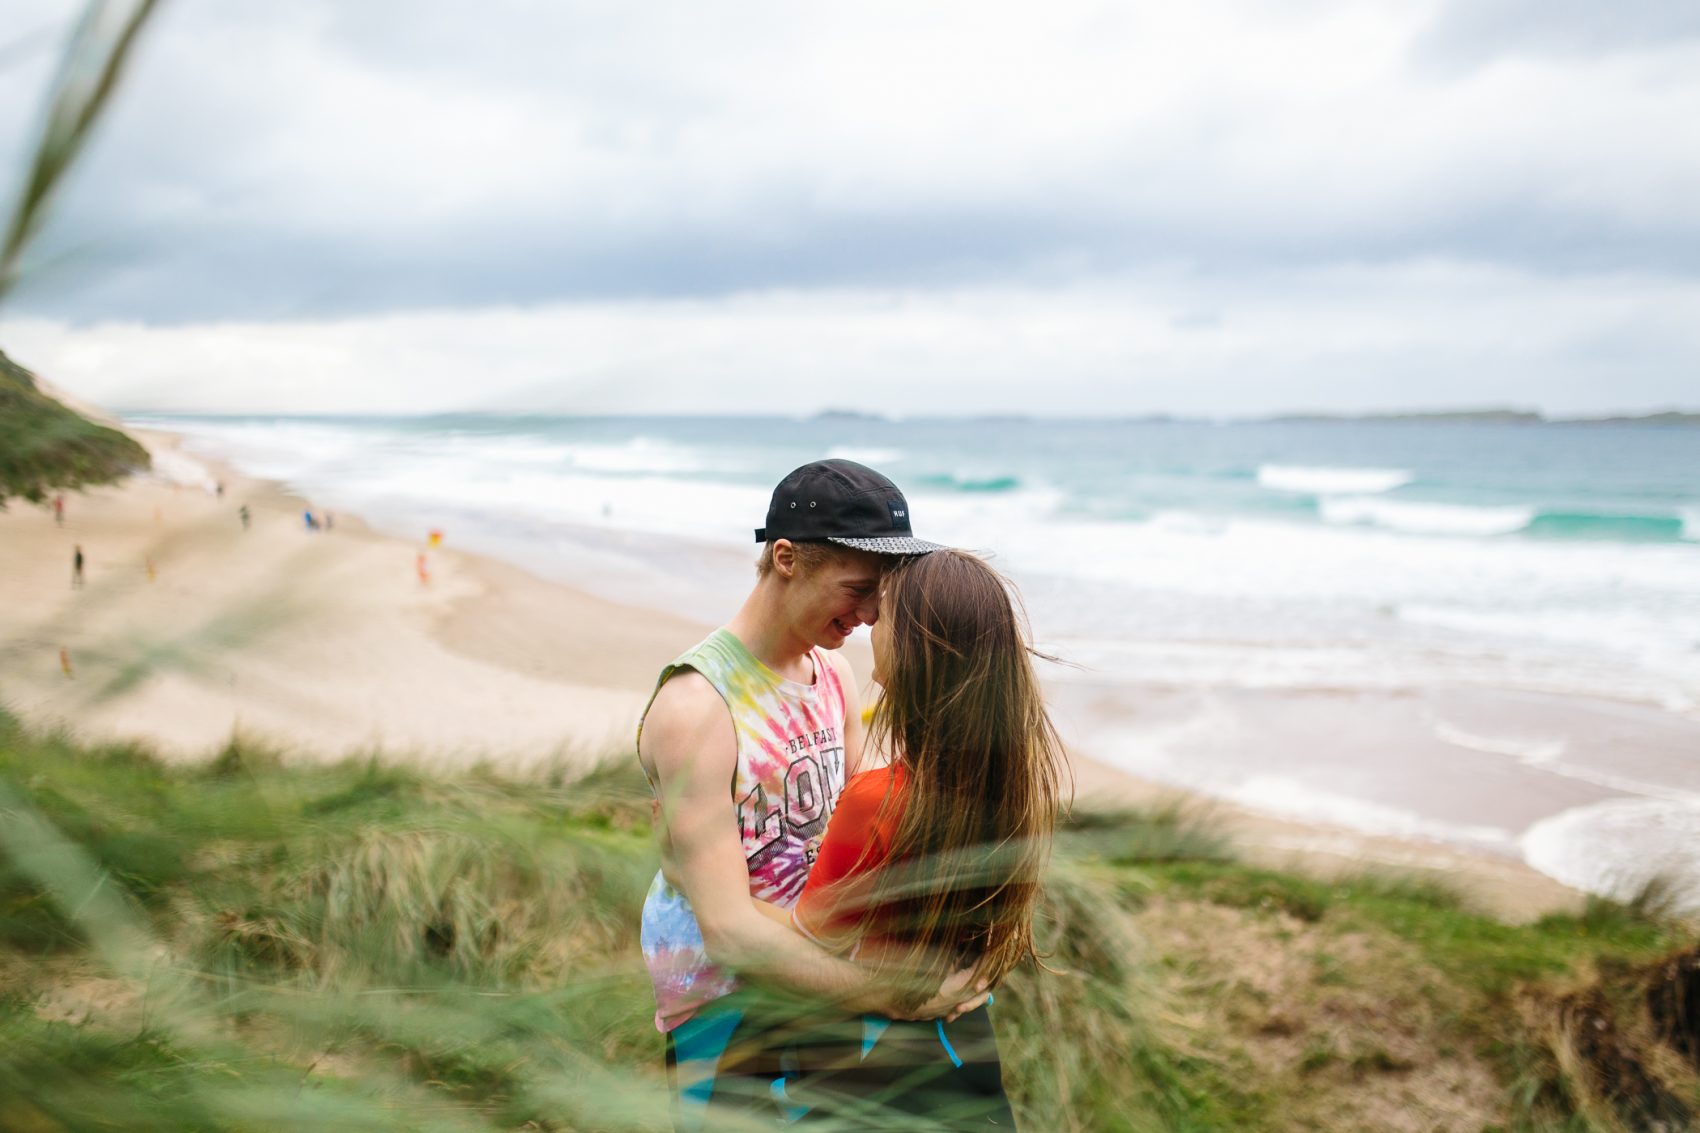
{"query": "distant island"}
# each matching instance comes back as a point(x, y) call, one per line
point(1491, 417)
point(1501, 415)
point(849, 415)
point(1669, 417)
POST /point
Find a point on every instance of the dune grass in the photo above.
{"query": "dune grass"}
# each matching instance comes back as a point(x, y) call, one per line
point(249, 944)
point(45, 447)
point(90, 68)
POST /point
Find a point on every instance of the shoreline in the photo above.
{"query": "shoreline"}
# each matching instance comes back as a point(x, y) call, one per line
point(327, 645)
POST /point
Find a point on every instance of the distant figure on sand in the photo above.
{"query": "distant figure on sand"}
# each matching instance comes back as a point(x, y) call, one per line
point(307, 518)
point(65, 661)
point(219, 489)
point(423, 565)
point(243, 512)
point(59, 510)
point(330, 521)
point(77, 567)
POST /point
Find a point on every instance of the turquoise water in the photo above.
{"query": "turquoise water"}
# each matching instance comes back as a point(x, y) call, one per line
point(1569, 553)
point(1630, 483)
point(1486, 634)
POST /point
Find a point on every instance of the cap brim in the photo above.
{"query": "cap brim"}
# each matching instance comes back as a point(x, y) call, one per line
point(890, 545)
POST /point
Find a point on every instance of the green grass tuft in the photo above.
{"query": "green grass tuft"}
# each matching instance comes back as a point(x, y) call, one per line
point(366, 945)
point(46, 447)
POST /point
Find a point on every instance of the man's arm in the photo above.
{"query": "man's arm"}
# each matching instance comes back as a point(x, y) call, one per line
point(691, 750)
point(953, 999)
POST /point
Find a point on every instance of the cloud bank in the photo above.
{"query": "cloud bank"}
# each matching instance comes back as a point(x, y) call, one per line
point(1251, 206)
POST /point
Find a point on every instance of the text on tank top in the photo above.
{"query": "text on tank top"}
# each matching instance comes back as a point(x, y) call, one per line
point(788, 776)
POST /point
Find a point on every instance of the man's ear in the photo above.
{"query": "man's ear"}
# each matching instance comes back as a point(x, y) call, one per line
point(785, 558)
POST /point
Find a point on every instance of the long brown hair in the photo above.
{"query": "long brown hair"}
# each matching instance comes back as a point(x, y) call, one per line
point(963, 718)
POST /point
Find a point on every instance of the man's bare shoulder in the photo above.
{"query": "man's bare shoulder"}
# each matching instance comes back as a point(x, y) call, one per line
point(686, 693)
point(687, 718)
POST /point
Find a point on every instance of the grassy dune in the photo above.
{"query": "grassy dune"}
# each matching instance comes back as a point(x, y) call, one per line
point(45, 447)
point(246, 945)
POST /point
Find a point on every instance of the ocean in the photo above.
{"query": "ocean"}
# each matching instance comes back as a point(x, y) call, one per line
point(1509, 612)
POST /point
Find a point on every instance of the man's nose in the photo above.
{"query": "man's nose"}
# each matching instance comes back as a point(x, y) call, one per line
point(869, 611)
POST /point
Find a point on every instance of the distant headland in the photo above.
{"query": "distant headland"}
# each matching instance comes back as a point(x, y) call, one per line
point(1494, 417)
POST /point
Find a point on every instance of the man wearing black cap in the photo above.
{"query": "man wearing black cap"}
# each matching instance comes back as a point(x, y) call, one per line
point(765, 706)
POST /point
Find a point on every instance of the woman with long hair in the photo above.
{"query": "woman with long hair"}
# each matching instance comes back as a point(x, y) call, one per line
point(931, 863)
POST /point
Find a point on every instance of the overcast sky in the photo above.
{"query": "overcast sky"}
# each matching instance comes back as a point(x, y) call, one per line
point(1218, 207)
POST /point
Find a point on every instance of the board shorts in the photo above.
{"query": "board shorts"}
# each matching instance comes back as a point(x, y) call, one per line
point(746, 1059)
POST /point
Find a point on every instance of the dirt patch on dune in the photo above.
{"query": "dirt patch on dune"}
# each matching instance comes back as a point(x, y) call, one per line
point(1624, 1048)
point(1346, 1030)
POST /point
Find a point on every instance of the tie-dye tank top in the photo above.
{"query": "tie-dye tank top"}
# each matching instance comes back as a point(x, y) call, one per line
point(789, 776)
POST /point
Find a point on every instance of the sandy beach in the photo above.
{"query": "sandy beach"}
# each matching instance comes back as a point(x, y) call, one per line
point(326, 645)
point(322, 644)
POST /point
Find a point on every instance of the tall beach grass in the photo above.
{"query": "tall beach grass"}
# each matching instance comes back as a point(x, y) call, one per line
point(252, 944)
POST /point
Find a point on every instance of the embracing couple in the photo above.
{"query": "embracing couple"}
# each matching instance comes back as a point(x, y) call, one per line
point(838, 902)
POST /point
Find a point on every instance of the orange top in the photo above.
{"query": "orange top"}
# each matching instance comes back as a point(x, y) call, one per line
point(857, 842)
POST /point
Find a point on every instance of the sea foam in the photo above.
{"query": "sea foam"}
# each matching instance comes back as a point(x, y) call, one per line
point(1280, 795)
point(1534, 752)
point(176, 468)
point(1331, 481)
point(865, 455)
point(1617, 847)
point(1425, 518)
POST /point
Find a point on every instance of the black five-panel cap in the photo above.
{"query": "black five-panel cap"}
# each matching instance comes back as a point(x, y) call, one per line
point(841, 501)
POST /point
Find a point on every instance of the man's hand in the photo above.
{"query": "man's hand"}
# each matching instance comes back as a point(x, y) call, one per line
point(957, 996)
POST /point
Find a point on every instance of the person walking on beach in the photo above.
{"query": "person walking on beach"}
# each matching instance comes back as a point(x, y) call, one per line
point(59, 510)
point(77, 567)
point(746, 742)
point(243, 513)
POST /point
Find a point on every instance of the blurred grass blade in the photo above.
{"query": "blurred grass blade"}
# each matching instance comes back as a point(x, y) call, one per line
point(88, 75)
point(65, 870)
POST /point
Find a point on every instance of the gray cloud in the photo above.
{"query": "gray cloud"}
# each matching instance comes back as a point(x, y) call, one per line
point(320, 158)
point(326, 166)
point(1472, 33)
point(1436, 334)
